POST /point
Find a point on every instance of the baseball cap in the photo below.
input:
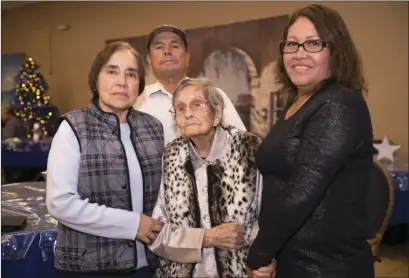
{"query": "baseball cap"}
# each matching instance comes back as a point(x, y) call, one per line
point(167, 28)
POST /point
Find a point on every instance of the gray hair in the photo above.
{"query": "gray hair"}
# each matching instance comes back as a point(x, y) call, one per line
point(211, 94)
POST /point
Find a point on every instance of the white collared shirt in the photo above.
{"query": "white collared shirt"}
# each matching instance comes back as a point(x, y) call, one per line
point(156, 101)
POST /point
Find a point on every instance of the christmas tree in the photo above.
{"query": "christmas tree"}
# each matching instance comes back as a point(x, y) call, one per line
point(31, 104)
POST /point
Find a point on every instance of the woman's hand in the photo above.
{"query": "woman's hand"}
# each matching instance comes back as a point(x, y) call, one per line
point(148, 229)
point(265, 272)
point(228, 236)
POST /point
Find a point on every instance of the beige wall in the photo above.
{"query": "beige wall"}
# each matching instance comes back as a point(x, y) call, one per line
point(380, 30)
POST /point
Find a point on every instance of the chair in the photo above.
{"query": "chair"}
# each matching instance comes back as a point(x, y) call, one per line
point(380, 200)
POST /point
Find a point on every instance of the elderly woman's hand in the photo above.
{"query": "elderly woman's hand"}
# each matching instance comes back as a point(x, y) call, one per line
point(225, 236)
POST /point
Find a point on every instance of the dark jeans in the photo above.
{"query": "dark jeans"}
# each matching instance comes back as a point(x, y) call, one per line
point(143, 272)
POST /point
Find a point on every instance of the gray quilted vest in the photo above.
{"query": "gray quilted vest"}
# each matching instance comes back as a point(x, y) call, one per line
point(104, 179)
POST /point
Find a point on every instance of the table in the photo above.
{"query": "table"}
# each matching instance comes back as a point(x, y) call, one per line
point(24, 160)
point(25, 153)
point(28, 253)
point(400, 176)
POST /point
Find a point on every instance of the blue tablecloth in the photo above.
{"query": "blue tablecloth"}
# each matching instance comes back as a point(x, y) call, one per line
point(400, 176)
point(26, 153)
point(30, 253)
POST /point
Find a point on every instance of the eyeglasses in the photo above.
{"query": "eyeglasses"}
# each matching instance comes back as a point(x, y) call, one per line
point(312, 46)
point(194, 105)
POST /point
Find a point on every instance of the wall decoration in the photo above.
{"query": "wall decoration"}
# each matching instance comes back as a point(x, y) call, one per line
point(239, 58)
point(386, 150)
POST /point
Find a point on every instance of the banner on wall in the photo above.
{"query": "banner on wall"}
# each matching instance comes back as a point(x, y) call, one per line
point(240, 59)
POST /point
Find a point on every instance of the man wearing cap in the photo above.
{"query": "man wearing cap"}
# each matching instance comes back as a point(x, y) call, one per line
point(168, 56)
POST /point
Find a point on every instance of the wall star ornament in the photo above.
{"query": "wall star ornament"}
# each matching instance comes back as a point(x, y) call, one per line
point(386, 150)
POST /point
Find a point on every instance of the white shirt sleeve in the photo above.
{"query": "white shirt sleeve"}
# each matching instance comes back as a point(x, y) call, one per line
point(230, 115)
point(178, 244)
point(64, 203)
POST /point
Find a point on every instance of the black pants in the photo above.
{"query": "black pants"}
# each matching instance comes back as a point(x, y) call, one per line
point(143, 272)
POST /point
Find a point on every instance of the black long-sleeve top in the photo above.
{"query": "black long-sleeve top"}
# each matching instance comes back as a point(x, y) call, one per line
point(315, 168)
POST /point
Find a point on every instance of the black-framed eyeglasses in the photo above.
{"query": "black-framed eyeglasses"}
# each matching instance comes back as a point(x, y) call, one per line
point(312, 46)
point(194, 105)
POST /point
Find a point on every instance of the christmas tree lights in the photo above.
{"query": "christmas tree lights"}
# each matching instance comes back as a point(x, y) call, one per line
point(31, 104)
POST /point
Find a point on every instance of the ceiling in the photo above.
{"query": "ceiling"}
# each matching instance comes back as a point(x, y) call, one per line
point(7, 5)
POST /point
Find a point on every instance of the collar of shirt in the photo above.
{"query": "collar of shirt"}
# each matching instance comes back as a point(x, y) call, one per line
point(216, 150)
point(158, 87)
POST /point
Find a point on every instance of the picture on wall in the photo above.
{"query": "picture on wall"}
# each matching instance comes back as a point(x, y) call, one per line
point(239, 58)
point(10, 66)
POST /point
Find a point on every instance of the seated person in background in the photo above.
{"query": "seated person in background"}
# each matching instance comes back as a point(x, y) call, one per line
point(210, 194)
point(13, 126)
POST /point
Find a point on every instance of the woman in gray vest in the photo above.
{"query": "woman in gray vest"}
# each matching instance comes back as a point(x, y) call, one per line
point(103, 175)
point(211, 189)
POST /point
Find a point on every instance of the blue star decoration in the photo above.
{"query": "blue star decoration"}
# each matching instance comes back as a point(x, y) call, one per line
point(386, 150)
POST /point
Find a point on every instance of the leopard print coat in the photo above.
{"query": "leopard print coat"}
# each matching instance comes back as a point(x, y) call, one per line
point(232, 182)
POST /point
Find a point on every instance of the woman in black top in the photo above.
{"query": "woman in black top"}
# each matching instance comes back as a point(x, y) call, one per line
point(316, 160)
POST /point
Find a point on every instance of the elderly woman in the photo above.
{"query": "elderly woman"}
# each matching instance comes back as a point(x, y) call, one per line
point(210, 193)
point(316, 160)
point(103, 175)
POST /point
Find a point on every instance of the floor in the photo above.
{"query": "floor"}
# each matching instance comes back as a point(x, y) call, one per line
point(395, 261)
